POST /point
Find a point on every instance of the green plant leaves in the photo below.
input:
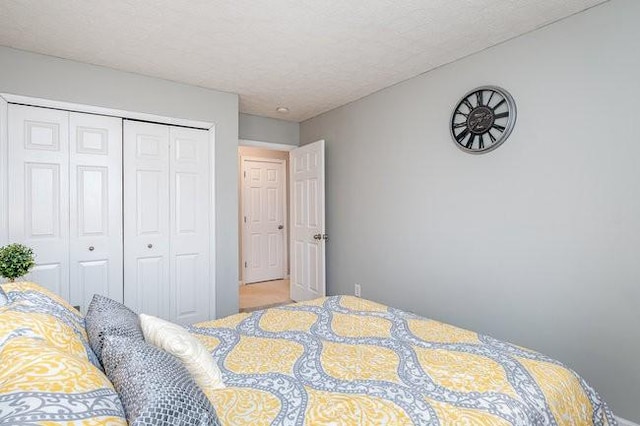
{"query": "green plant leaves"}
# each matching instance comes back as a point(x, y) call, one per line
point(15, 261)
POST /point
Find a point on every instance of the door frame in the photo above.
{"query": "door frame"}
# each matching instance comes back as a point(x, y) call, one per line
point(264, 145)
point(267, 145)
point(6, 98)
point(285, 214)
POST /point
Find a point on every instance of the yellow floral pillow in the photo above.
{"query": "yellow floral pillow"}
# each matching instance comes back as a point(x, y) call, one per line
point(35, 301)
point(42, 384)
point(19, 315)
point(26, 287)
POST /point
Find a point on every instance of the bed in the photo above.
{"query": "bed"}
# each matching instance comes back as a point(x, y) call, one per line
point(333, 361)
point(344, 360)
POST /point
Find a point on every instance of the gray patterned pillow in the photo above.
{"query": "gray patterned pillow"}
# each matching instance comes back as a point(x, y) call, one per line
point(154, 387)
point(106, 317)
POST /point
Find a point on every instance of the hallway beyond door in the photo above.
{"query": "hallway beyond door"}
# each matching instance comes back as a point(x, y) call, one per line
point(264, 295)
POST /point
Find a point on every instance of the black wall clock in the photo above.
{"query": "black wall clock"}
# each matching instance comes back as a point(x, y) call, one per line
point(483, 119)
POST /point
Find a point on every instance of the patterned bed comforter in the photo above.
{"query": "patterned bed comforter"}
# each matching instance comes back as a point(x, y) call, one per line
point(348, 361)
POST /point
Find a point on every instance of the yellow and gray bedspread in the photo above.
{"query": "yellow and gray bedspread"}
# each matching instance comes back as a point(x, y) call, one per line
point(348, 361)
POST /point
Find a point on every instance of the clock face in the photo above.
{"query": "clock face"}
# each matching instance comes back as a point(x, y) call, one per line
point(483, 119)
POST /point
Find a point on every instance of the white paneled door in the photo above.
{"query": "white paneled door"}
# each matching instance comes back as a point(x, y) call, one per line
point(166, 204)
point(39, 191)
point(95, 200)
point(113, 207)
point(65, 199)
point(146, 218)
point(189, 219)
point(308, 237)
point(263, 219)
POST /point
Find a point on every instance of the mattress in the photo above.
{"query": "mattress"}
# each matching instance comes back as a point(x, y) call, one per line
point(347, 361)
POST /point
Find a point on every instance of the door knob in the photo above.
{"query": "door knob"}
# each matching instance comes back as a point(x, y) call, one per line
point(325, 237)
point(149, 245)
point(91, 248)
point(317, 237)
point(280, 226)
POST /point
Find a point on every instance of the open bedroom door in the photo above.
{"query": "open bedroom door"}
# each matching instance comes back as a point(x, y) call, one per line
point(308, 238)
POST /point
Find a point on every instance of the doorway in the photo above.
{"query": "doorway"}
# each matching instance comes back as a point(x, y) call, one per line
point(263, 227)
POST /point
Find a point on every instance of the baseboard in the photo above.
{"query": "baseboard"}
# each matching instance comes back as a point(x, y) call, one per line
point(240, 283)
point(625, 422)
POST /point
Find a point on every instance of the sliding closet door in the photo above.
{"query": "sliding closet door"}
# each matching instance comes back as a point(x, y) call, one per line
point(39, 191)
point(189, 198)
point(146, 218)
point(95, 207)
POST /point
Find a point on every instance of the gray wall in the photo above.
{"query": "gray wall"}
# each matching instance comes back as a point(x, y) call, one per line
point(537, 242)
point(264, 129)
point(52, 78)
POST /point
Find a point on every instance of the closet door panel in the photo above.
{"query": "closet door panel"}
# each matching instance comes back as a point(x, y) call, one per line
point(146, 219)
point(39, 191)
point(150, 280)
point(189, 201)
point(95, 208)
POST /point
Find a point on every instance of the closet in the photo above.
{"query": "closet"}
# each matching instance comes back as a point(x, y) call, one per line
point(112, 206)
point(166, 200)
point(65, 199)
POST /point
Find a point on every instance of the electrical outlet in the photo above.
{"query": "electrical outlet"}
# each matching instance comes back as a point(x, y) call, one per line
point(356, 290)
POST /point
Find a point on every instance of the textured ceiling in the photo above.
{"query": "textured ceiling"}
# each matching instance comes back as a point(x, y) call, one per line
point(308, 55)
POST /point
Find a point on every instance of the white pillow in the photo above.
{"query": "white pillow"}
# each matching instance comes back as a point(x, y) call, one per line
point(187, 348)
